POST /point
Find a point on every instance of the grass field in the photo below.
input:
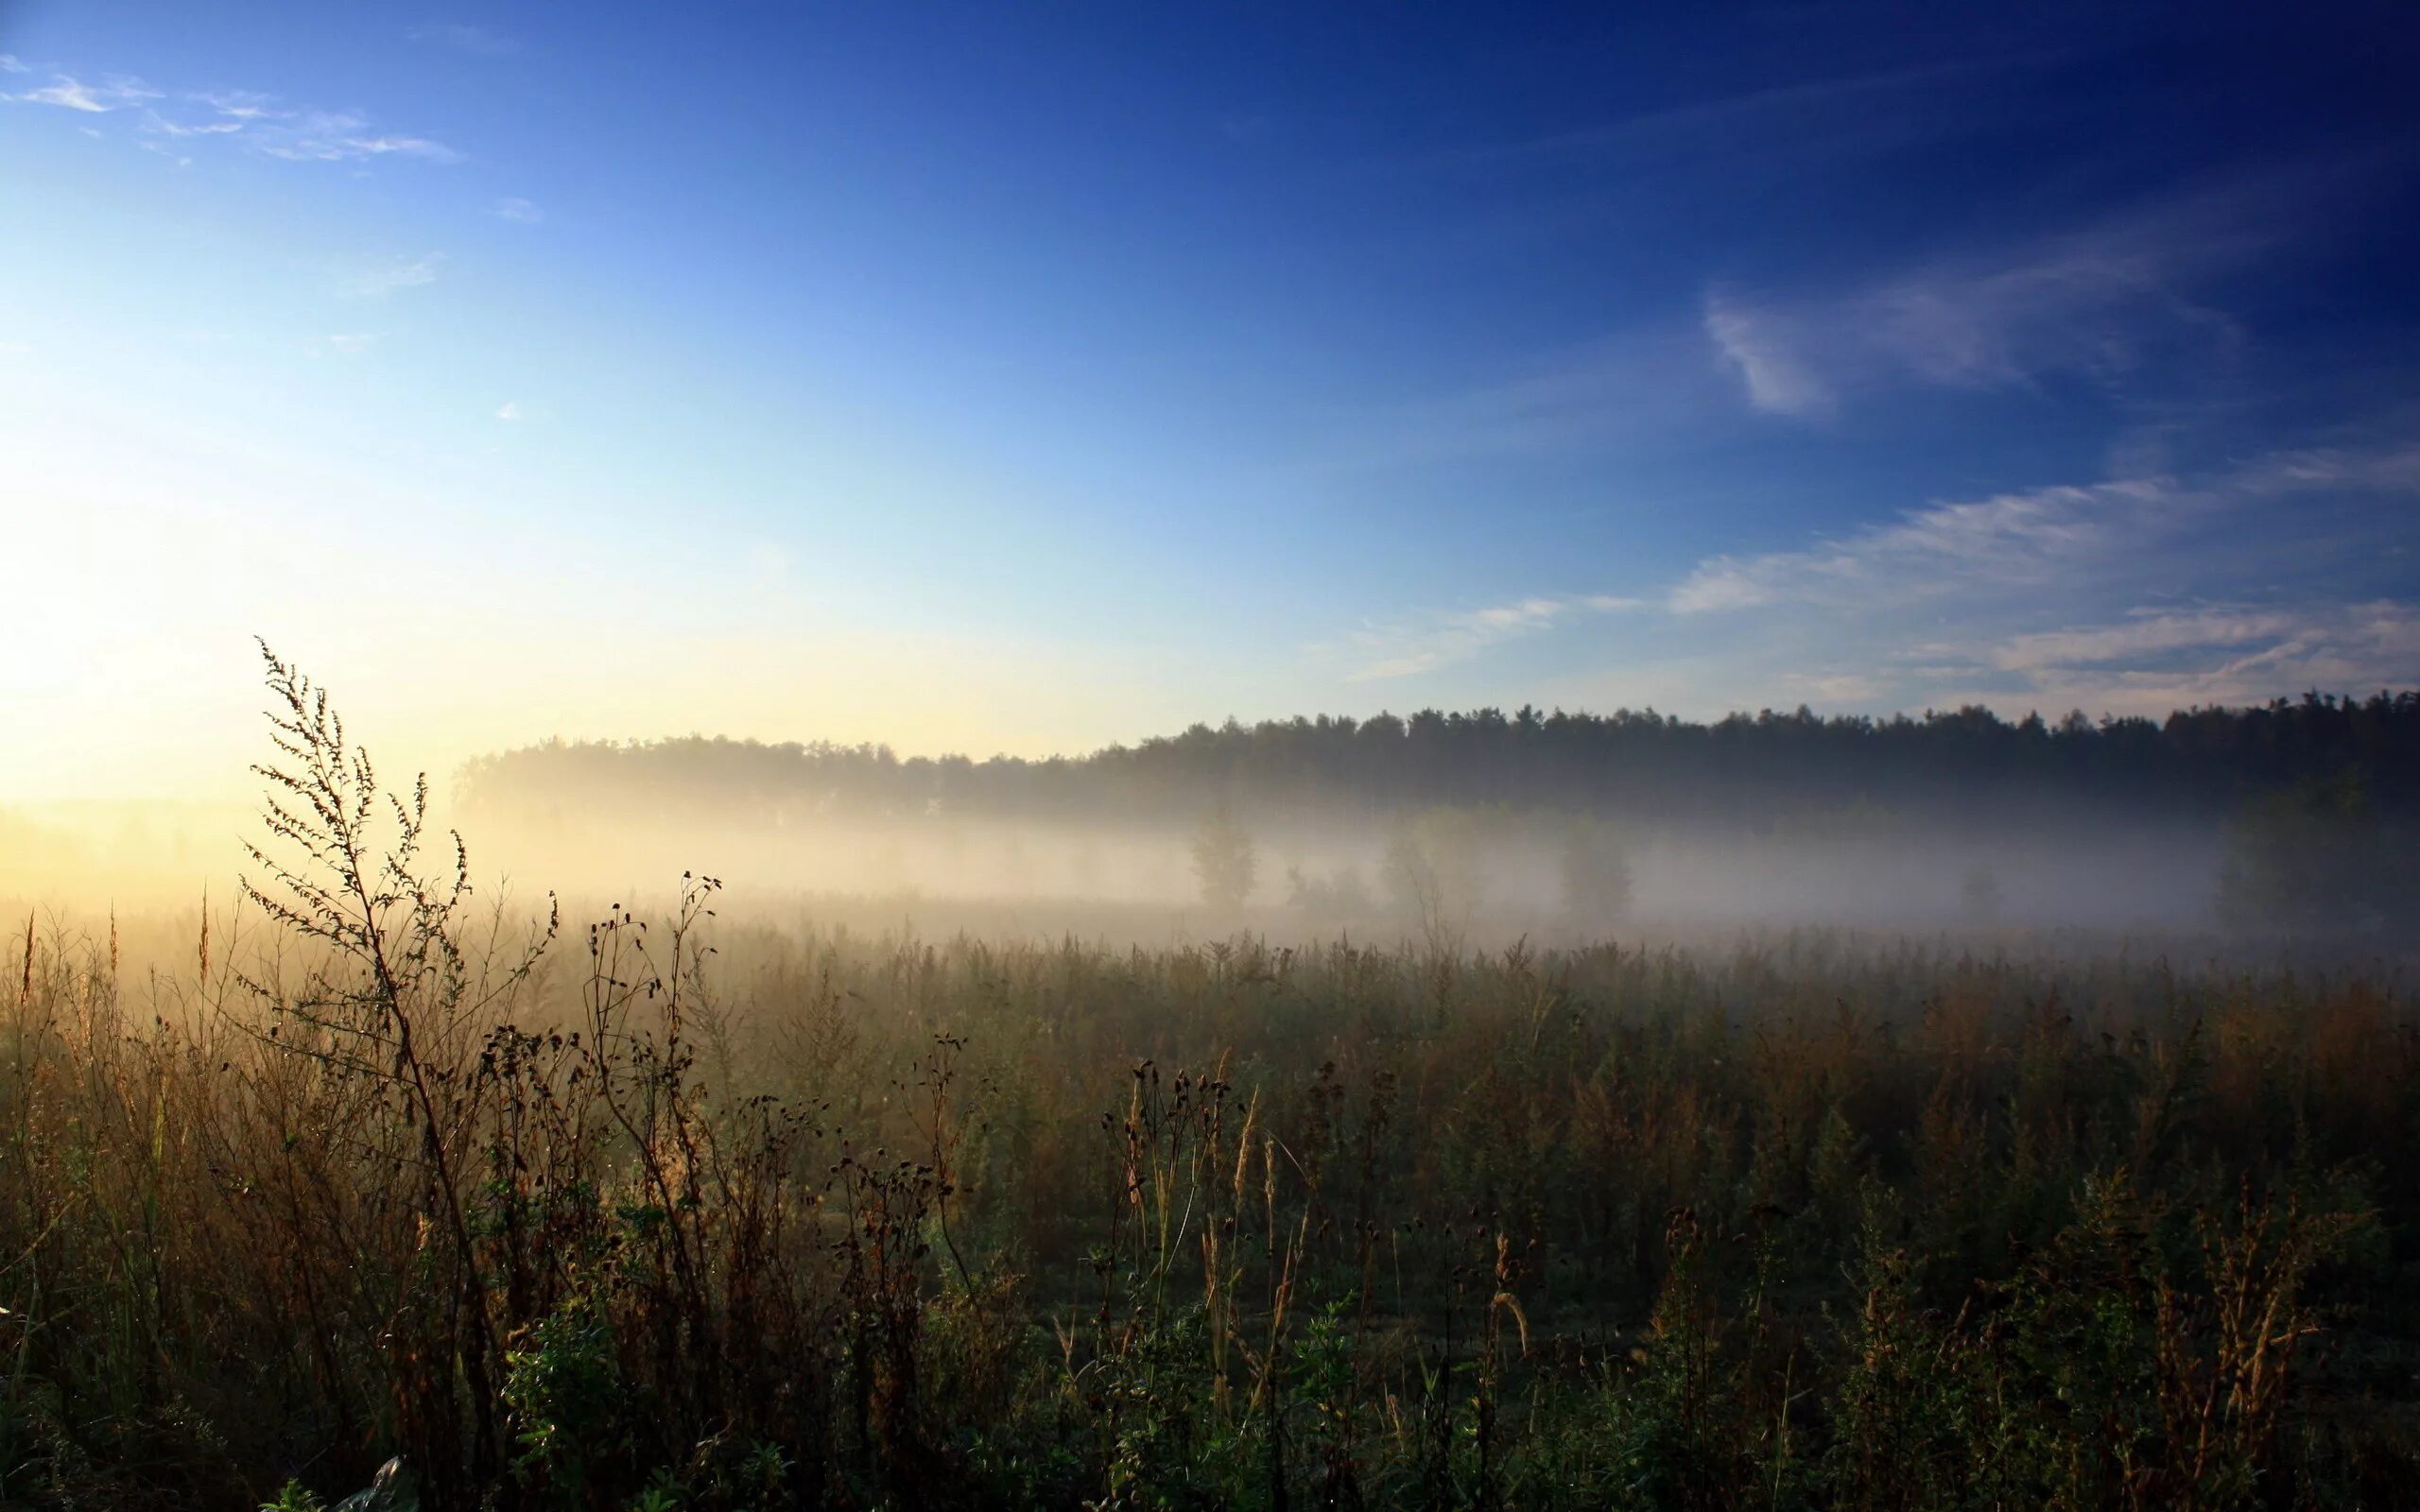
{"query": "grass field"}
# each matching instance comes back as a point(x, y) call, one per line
point(675, 1209)
point(866, 1221)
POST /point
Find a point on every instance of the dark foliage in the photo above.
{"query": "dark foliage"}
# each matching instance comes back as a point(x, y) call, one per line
point(1749, 770)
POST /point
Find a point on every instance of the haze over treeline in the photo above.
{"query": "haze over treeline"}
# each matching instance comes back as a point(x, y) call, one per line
point(1747, 768)
point(2289, 816)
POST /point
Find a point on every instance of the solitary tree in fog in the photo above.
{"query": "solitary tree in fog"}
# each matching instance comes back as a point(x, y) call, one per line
point(1433, 876)
point(1224, 861)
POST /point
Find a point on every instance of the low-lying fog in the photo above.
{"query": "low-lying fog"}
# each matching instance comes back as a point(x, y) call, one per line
point(1434, 868)
point(1481, 876)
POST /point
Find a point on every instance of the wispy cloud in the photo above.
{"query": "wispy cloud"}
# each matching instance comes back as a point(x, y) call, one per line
point(1404, 651)
point(2144, 633)
point(336, 136)
point(2009, 539)
point(179, 128)
point(239, 105)
point(479, 41)
point(2123, 302)
point(392, 276)
point(2152, 659)
point(2130, 302)
point(113, 93)
point(1765, 360)
point(509, 410)
point(246, 118)
point(517, 210)
point(352, 343)
point(9, 65)
point(1841, 112)
point(2131, 594)
point(2029, 539)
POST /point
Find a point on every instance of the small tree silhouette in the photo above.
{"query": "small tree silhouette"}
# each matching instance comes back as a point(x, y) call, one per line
point(1225, 859)
point(1433, 875)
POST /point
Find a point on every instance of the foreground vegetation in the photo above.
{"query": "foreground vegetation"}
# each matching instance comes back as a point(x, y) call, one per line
point(685, 1212)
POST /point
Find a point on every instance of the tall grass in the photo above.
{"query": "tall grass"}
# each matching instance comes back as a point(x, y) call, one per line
point(687, 1210)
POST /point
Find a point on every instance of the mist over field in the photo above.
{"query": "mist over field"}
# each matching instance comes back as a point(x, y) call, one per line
point(2282, 821)
point(2112, 872)
point(1489, 827)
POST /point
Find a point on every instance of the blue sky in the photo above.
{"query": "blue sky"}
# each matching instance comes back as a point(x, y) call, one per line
point(1016, 378)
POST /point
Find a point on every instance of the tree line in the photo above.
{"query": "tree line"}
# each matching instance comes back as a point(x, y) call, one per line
point(1751, 770)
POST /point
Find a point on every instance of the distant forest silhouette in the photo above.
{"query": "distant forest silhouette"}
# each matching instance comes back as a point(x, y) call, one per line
point(1746, 769)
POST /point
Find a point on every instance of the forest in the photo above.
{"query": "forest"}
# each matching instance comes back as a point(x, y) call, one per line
point(1744, 770)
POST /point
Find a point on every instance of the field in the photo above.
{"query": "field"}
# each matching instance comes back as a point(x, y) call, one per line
point(685, 1207)
point(861, 1221)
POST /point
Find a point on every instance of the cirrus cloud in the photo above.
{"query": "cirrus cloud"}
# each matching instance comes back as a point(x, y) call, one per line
point(2123, 302)
point(246, 118)
point(1440, 641)
point(113, 93)
point(392, 276)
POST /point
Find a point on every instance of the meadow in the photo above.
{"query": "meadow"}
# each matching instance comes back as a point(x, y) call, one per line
point(684, 1206)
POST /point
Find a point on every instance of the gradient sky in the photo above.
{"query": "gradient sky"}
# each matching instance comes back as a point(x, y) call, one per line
point(1024, 378)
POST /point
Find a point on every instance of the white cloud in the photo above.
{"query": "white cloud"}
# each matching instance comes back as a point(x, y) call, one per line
point(393, 275)
point(2044, 587)
point(257, 121)
point(2124, 302)
point(2117, 302)
point(509, 410)
point(1722, 583)
point(239, 104)
point(336, 136)
point(8, 64)
point(2145, 632)
point(1777, 380)
point(2151, 661)
point(2138, 595)
point(408, 146)
point(352, 343)
point(69, 92)
point(177, 129)
point(1447, 639)
point(2028, 541)
point(519, 210)
point(2011, 538)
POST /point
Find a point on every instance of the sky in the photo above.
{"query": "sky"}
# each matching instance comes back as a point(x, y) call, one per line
point(1029, 378)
